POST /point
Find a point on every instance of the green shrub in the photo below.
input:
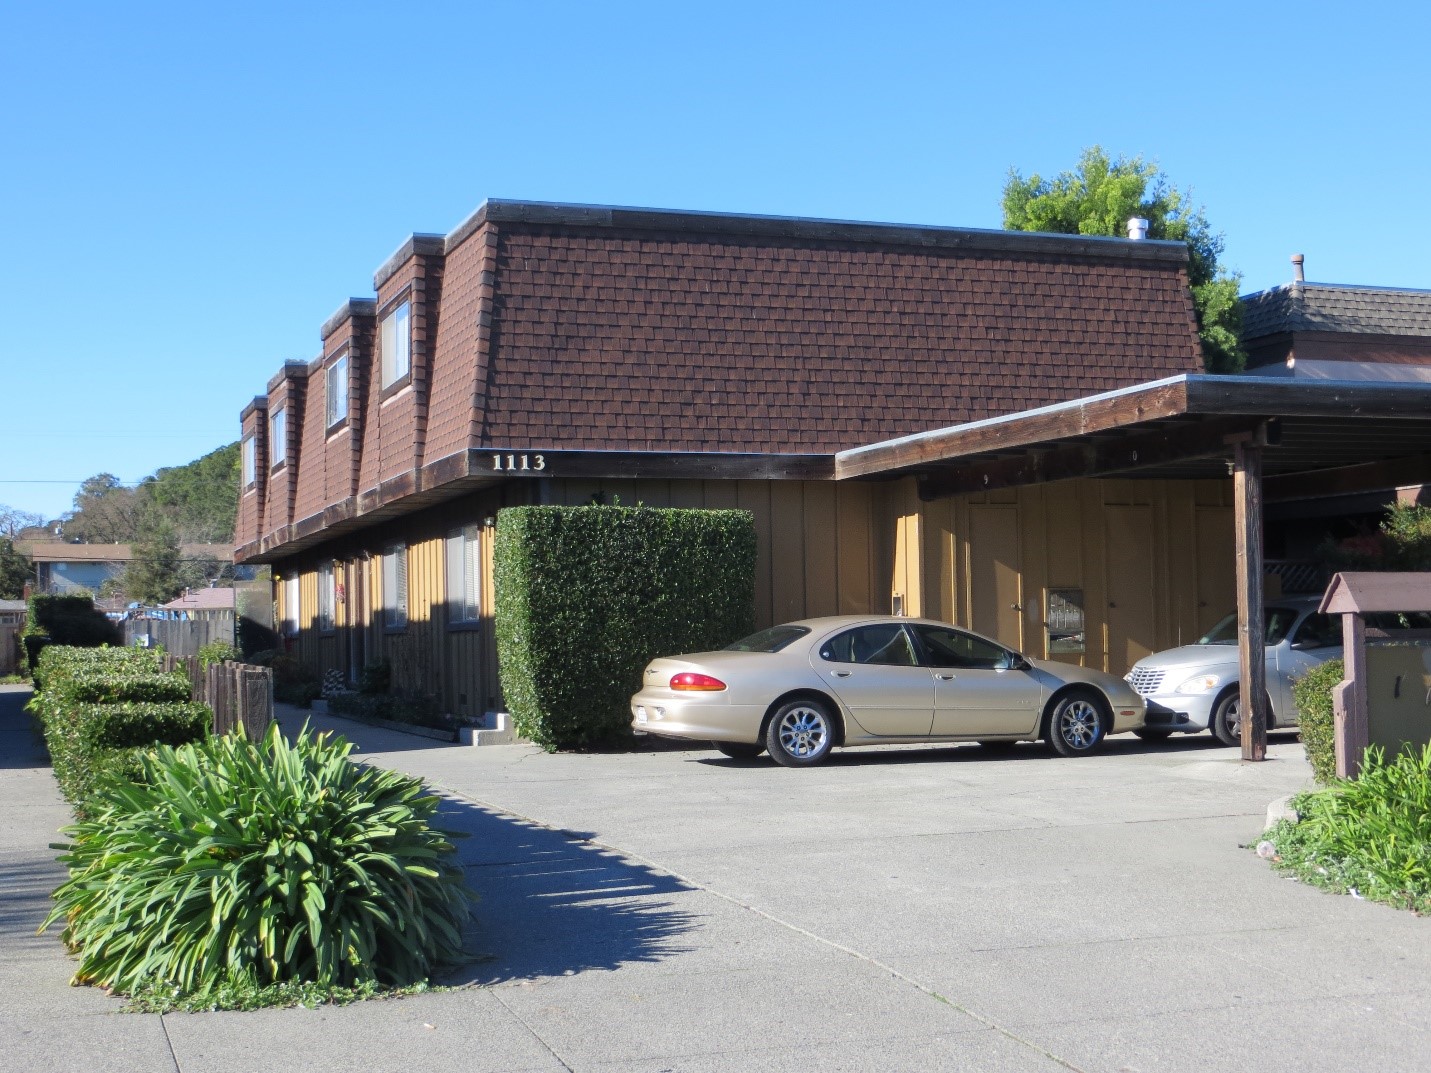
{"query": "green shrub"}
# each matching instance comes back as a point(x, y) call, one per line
point(216, 652)
point(61, 661)
point(376, 677)
point(293, 682)
point(419, 711)
point(89, 741)
point(72, 620)
point(1313, 694)
point(587, 596)
point(1371, 834)
point(262, 862)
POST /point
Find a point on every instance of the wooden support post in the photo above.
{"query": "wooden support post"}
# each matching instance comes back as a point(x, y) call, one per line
point(1352, 731)
point(1251, 648)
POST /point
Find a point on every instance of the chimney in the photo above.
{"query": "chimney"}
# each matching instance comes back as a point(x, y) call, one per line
point(1137, 228)
point(1298, 276)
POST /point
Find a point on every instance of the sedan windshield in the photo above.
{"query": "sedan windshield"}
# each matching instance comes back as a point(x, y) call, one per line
point(771, 640)
point(1278, 621)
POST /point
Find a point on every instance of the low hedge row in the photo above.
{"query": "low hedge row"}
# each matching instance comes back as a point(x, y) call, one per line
point(89, 741)
point(100, 708)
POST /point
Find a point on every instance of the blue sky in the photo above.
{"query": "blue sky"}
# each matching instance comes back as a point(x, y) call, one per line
point(188, 190)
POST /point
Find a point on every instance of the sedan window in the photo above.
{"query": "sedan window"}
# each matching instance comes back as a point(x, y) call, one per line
point(885, 644)
point(1318, 631)
point(946, 647)
point(771, 640)
point(1277, 620)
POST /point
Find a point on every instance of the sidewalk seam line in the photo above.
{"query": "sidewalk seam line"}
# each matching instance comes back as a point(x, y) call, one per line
point(534, 1033)
point(174, 1058)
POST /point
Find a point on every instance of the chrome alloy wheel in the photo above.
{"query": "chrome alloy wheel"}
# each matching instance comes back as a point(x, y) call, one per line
point(804, 731)
point(1079, 724)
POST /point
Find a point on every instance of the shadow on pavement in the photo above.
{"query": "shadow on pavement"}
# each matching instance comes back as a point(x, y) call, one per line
point(22, 746)
point(553, 905)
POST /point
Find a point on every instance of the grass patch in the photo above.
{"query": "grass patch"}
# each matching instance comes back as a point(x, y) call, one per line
point(245, 994)
point(1369, 836)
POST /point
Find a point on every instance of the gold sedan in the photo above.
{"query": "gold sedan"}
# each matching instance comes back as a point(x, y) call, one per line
point(799, 689)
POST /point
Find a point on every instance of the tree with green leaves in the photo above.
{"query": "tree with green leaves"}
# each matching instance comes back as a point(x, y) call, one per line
point(1100, 196)
point(14, 571)
point(154, 574)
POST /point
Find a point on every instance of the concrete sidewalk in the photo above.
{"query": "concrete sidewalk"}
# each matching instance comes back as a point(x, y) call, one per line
point(899, 909)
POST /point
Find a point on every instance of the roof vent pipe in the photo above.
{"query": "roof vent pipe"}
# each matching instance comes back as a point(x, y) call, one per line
point(1298, 276)
point(1137, 227)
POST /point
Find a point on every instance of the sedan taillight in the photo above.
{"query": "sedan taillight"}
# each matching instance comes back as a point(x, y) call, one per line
point(688, 680)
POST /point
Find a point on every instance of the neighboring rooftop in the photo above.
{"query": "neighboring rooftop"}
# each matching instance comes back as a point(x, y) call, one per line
point(1335, 307)
point(57, 551)
point(213, 598)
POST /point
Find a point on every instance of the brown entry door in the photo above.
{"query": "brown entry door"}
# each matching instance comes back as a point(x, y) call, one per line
point(994, 584)
point(1128, 545)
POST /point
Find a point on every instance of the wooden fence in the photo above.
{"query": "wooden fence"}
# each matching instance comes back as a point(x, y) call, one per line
point(240, 694)
point(9, 649)
point(181, 637)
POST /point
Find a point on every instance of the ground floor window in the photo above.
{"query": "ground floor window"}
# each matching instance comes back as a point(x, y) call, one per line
point(289, 620)
point(395, 587)
point(464, 576)
point(327, 589)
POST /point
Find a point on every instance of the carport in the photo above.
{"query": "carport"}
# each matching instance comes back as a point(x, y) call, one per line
point(1276, 438)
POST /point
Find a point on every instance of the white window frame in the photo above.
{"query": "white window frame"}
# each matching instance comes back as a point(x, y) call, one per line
point(278, 437)
point(395, 587)
point(327, 597)
point(336, 391)
point(464, 576)
point(248, 451)
point(291, 604)
point(396, 343)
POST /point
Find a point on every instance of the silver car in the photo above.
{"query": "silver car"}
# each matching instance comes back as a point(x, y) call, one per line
point(1195, 687)
point(801, 688)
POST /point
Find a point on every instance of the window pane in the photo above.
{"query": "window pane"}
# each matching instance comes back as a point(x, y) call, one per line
point(395, 587)
point(396, 342)
point(337, 391)
point(885, 644)
point(248, 461)
point(277, 437)
point(471, 574)
point(946, 647)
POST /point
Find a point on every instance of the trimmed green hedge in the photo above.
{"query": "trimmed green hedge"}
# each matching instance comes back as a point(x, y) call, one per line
point(101, 707)
point(90, 741)
point(587, 596)
point(1313, 694)
point(71, 620)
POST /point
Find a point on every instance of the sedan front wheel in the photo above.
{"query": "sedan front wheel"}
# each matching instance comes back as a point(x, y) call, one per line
point(1077, 724)
point(801, 733)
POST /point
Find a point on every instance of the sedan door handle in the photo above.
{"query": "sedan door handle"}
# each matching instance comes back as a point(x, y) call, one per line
point(841, 674)
point(945, 677)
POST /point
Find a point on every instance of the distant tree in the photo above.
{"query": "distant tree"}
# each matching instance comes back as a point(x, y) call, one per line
point(153, 575)
point(13, 520)
point(14, 571)
point(105, 512)
point(1098, 199)
point(199, 499)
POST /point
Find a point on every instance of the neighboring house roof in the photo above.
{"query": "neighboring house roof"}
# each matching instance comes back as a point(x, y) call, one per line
point(213, 598)
point(60, 552)
point(12, 605)
point(1330, 307)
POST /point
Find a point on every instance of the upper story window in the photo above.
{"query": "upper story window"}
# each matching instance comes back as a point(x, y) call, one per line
point(396, 343)
point(278, 437)
point(249, 453)
point(337, 391)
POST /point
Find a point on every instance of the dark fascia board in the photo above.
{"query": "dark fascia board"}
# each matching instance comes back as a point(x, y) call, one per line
point(353, 307)
point(292, 370)
point(259, 402)
point(796, 227)
point(1186, 394)
point(416, 245)
point(463, 471)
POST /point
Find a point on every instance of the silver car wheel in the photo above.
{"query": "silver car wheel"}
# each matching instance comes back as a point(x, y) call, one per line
point(1076, 725)
point(801, 733)
point(1227, 720)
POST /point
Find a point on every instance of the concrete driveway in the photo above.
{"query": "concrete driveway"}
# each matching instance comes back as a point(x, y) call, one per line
point(898, 909)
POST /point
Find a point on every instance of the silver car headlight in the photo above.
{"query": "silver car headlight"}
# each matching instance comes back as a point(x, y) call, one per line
point(1200, 683)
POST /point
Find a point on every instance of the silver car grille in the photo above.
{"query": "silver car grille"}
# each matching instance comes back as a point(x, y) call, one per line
point(1145, 681)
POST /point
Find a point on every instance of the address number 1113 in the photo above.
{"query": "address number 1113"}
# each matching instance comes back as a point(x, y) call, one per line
point(504, 463)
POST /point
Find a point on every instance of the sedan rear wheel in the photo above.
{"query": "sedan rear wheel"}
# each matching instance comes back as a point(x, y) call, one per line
point(801, 733)
point(1077, 724)
point(739, 750)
